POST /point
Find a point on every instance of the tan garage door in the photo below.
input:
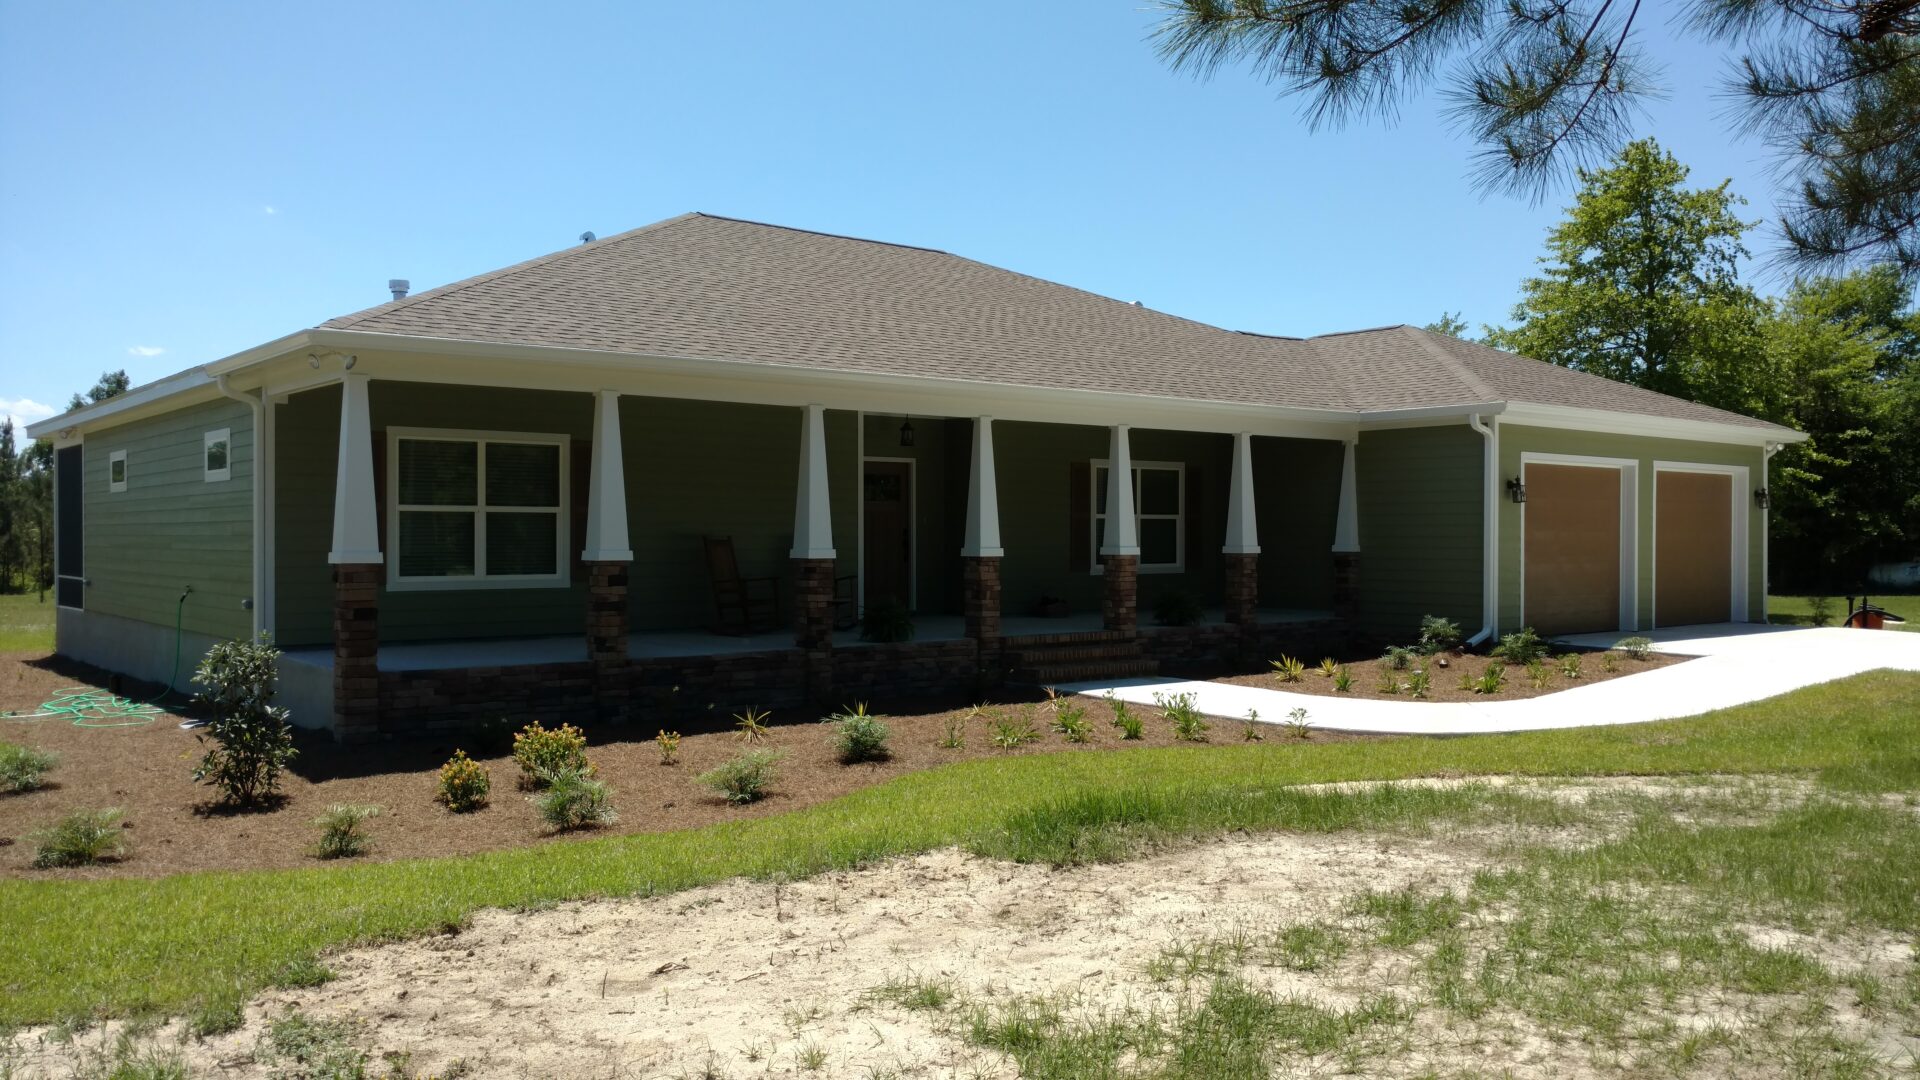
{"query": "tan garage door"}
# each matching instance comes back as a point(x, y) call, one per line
point(1572, 548)
point(1692, 548)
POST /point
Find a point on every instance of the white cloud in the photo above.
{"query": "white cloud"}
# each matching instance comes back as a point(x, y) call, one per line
point(23, 411)
point(144, 350)
point(270, 210)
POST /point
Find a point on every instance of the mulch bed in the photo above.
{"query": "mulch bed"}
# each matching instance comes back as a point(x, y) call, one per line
point(147, 772)
point(1444, 682)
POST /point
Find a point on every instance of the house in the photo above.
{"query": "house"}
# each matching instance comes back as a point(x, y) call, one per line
point(511, 493)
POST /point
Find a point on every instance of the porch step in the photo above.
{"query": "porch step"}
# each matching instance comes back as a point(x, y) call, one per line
point(1051, 659)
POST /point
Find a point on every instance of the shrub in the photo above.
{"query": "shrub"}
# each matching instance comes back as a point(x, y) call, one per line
point(1342, 680)
point(342, 831)
point(464, 784)
point(1492, 680)
point(1176, 607)
point(953, 734)
point(669, 743)
point(1071, 722)
point(1539, 674)
point(1819, 612)
point(1609, 663)
point(1296, 724)
point(1287, 669)
point(859, 735)
point(1570, 665)
point(1438, 635)
point(886, 620)
point(1188, 724)
point(1328, 668)
point(1397, 657)
point(252, 742)
point(1636, 648)
point(746, 778)
point(751, 726)
point(1523, 646)
point(1129, 722)
point(573, 799)
point(1389, 682)
point(1009, 733)
point(539, 752)
point(82, 838)
point(23, 768)
point(1418, 684)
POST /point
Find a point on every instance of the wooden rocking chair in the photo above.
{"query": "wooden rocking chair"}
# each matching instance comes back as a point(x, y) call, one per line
point(741, 605)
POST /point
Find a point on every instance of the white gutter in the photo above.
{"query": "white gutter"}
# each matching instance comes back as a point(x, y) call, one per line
point(254, 402)
point(1489, 529)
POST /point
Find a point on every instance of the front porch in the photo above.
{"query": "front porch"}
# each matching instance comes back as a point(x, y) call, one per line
point(501, 549)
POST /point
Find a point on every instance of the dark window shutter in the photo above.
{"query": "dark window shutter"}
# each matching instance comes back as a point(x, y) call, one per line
point(380, 489)
point(1192, 506)
point(1079, 516)
point(577, 486)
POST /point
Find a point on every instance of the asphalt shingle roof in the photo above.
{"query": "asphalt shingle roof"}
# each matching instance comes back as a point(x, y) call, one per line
point(705, 287)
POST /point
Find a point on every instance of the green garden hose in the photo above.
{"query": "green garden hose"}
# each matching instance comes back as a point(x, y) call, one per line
point(87, 706)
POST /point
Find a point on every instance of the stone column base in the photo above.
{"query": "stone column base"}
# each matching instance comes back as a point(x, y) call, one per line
point(607, 635)
point(981, 597)
point(1346, 586)
point(1242, 588)
point(1121, 610)
point(356, 651)
point(813, 603)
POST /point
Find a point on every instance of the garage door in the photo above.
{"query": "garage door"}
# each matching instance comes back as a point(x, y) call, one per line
point(1572, 580)
point(1692, 548)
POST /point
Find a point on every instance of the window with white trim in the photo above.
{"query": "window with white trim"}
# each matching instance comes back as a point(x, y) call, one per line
point(476, 509)
point(216, 450)
point(117, 471)
point(1159, 505)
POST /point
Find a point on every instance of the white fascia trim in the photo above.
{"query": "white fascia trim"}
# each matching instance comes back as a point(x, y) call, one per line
point(1575, 419)
point(199, 381)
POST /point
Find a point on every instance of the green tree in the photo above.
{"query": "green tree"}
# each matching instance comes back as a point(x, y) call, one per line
point(1451, 324)
point(1540, 85)
point(1640, 284)
point(12, 509)
point(110, 384)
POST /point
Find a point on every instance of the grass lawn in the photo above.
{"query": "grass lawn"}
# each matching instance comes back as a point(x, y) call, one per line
point(210, 940)
point(26, 624)
point(1794, 610)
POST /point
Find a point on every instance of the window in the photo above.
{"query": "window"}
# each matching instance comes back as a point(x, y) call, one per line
point(117, 471)
point(475, 509)
point(1159, 504)
point(216, 446)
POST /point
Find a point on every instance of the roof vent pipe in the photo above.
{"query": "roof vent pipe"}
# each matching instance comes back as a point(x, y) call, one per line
point(399, 287)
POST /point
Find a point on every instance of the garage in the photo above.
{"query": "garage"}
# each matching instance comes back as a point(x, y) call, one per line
point(1693, 549)
point(1573, 553)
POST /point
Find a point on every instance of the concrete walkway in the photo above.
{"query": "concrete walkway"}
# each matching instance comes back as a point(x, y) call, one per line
point(1738, 663)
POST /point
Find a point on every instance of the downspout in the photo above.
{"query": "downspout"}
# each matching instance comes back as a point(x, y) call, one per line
point(1766, 530)
point(1489, 529)
point(257, 404)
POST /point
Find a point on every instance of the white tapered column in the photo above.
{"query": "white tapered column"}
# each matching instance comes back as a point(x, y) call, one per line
point(983, 496)
point(1346, 526)
point(1243, 529)
point(606, 539)
point(812, 513)
point(356, 529)
point(1123, 528)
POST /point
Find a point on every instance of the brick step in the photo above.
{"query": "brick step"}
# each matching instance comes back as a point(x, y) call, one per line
point(1064, 654)
point(1056, 674)
point(1077, 637)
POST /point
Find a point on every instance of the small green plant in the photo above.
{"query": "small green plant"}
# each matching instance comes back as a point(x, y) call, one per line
point(1328, 669)
point(1287, 669)
point(1398, 657)
point(669, 744)
point(746, 778)
point(1296, 724)
point(1010, 733)
point(1250, 727)
point(1492, 679)
point(1342, 680)
point(343, 833)
point(1609, 663)
point(751, 726)
point(540, 752)
point(1636, 648)
point(1570, 665)
point(1131, 726)
point(1437, 635)
point(251, 739)
point(572, 799)
point(1523, 646)
point(82, 838)
point(886, 620)
point(1176, 607)
point(1389, 682)
point(1184, 712)
point(317, 1049)
point(1539, 675)
point(1468, 681)
point(464, 784)
point(953, 734)
point(1819, 612)
point(859, 735)
point(1072, 723)
point(1419, 683)
point(23, 768)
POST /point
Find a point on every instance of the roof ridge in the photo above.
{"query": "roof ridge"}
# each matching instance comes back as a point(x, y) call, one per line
point(346, 322)
point(820, 232)
point(1452, 363)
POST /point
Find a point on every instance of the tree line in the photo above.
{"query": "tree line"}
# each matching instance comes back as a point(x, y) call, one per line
point(1641, 283)
point(26, 497)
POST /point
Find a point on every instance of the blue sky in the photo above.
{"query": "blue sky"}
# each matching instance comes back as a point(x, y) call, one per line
point(183, 181)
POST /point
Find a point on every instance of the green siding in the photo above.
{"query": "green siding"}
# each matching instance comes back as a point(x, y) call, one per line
point(170, 527)
point(1420, 528)
point(306, 443)
point(1516, 440)
point(1296, 485)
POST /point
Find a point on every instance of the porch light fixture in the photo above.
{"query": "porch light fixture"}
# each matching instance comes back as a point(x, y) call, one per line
point(1760, 498)
point(1517, 490)
point(906, 432)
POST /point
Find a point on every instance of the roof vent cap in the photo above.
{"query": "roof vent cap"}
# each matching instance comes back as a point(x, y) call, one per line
point(587, 237)
point(399, 286)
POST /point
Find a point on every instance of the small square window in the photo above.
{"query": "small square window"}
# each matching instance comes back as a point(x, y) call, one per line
point(117, 471)
point(218, 447)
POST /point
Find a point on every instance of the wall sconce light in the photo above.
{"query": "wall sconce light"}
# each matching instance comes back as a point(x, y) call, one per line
point(1760, 498)
point(1517, 490)
point(906, 433)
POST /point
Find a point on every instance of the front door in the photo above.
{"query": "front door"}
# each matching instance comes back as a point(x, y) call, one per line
point(889, 523)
